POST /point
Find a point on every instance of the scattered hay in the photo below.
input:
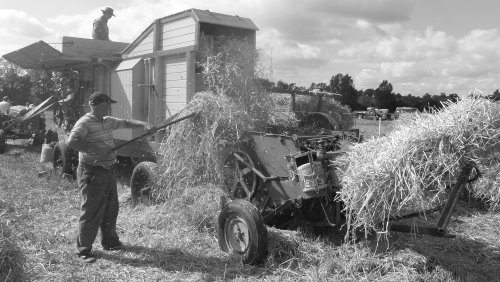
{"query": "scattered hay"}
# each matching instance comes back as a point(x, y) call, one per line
point(11, 258)
point(412, 167)
point(201, 204)
point(291, 248)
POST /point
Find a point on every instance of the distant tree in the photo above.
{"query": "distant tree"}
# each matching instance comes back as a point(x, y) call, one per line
point(495, 96)
point(320, 86)
point(14, 83)
point(454, 97)
point(366, 101)
point(283, 87)
point(266, 84)
point(43, 85)
point(344, 85)
point(369, 92)
point(384, 98)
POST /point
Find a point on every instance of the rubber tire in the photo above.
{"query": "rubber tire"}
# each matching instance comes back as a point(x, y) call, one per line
point(144, 175)
point(51, 136)
point(65, 153)
point(256, 250)
point(3, 140)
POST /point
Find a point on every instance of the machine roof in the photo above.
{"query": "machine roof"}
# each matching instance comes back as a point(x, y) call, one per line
point(42, 56)
point(75, 51)
point(206, 16)
point(201, 16)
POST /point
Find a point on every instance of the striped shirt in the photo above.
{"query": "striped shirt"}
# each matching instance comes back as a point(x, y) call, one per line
point(97, 133)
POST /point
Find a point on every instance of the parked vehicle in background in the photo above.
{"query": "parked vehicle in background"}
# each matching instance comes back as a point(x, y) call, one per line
point(371, 113)
point(374, 113)
point(383, 113)
point(23, 123)
point(359, 114)
point(400, 110)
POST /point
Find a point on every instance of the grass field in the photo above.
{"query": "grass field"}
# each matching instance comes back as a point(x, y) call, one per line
point(372, 128)
point(38, 221)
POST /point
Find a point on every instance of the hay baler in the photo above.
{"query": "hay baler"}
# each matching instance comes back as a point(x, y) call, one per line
point(278, 180)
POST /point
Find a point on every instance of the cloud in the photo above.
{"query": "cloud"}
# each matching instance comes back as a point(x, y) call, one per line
point(428, 61)
point(379, 11)
point(323, 26)
point(18, 29)
point(17, 24)
point(404, 45)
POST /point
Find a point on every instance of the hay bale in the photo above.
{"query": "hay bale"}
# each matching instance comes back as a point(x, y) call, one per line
point(487, 188)
point(412, 168)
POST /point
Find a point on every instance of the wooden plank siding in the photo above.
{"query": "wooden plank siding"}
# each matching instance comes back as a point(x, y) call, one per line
point(145, 46)
point(174, 85)
point(129, 96)
point(178, 34)
point(122, 85)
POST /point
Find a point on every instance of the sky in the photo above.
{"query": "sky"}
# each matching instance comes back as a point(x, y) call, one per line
point(420, 46)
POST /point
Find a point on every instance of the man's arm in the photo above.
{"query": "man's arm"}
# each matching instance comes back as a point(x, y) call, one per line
point(130, 123)
point(76, 142)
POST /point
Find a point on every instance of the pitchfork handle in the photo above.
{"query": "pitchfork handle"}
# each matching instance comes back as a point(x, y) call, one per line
point(152, 131)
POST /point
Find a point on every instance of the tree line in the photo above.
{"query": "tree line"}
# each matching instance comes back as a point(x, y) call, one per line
point(26, 86)
point(34, 86)
point(382, 97)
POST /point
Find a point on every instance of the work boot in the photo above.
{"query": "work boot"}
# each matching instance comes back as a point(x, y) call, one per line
point(87, 257)
point(116, 247)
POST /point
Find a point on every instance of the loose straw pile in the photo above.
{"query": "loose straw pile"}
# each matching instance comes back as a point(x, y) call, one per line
point(193, 152)
point(413, 167)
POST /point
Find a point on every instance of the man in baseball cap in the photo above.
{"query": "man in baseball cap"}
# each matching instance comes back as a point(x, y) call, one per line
point(92, 137)
point(99, 97)
point(100, 28)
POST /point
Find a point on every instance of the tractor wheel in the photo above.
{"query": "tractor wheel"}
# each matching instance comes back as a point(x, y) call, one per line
point(240, 180)
point(63, 160)
point(242, 231)
point(3, 140)
point(51, 136)
point(143, 178)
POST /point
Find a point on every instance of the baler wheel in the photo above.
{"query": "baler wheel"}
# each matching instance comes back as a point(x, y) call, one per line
point(241, 230)
point(241, 180)
point(143, 178)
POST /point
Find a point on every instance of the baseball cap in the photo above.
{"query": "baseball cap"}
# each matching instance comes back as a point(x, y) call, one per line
point(99, 97)
point(108, 10)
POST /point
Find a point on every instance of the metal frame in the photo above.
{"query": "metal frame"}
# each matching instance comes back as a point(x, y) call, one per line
point(441, 228)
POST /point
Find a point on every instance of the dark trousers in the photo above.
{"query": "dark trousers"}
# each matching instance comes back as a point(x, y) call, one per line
point(99, 208)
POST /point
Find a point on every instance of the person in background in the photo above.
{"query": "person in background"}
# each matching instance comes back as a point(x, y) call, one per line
point(92, 137)
point(5, 105)
point(100, 29)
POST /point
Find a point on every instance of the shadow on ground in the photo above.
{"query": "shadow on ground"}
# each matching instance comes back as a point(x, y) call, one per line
point(175, 260)
point(469, 256)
